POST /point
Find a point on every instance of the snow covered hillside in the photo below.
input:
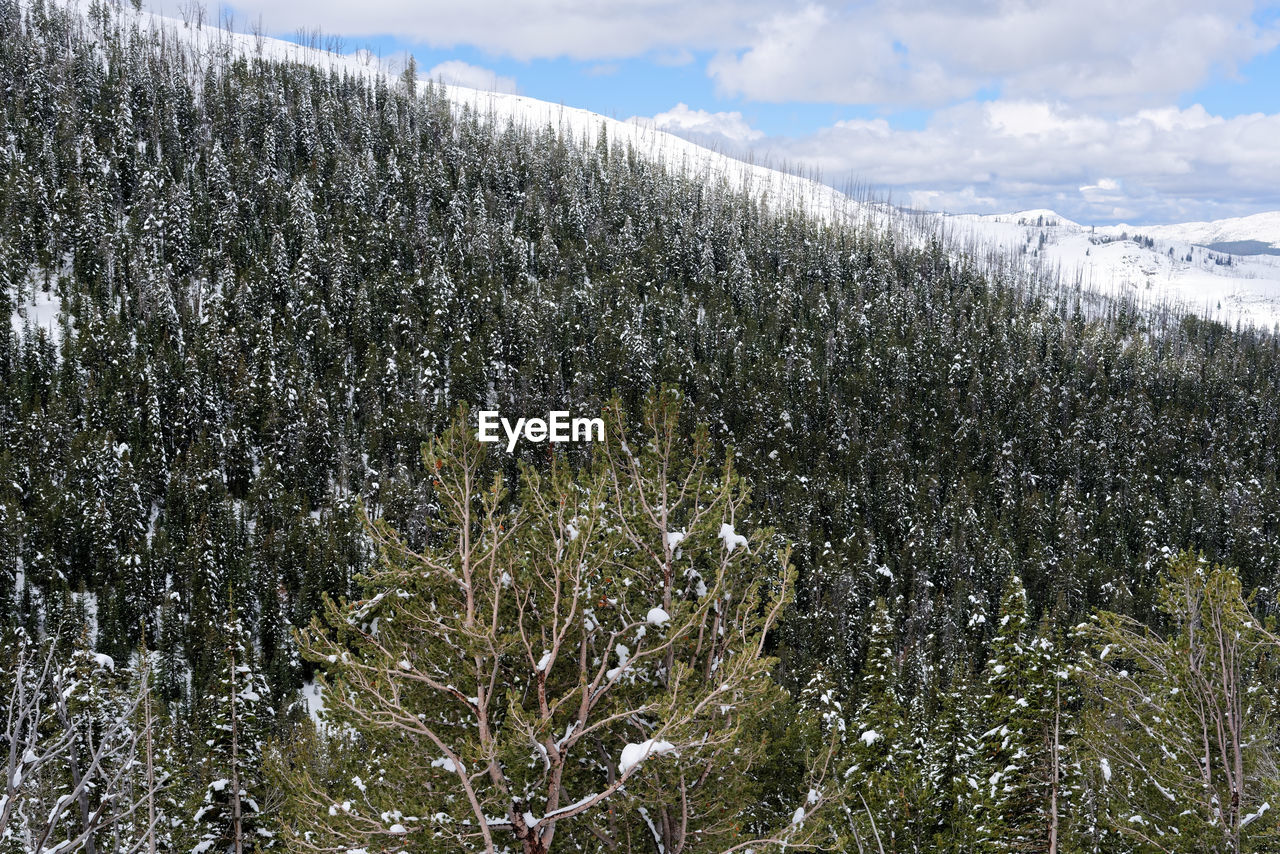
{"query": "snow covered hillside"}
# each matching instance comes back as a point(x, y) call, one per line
point(1186, 264)
point(208, 44)
point(1217, 269)
point(1263, 228)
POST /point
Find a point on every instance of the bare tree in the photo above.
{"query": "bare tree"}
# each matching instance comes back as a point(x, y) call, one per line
point(335, 43)
point(48, 748)
point(259, 35)
point(193, 12)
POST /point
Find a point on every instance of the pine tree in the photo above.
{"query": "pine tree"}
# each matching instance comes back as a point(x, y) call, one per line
point(409, 77)
point(1017, 701)
point(1186, 724)
point(884, 769)
point(952, 764)
point(230, 814)
point(595, 651)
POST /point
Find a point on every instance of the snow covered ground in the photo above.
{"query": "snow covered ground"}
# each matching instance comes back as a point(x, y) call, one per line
point(1174, 266)
point(38, 310)
point(1165, 263)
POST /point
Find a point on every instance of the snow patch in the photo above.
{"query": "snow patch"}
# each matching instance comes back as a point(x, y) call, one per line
point(313, 698)
point(635, 753)
point(39, 312)
point(732, 539)
point(1254, 816)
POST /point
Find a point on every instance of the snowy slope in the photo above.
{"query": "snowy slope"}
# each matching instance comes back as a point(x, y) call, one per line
point(36, 309)
point(1263, 227)
point(779, 189)
point(1248, 289)
point(1212, 283)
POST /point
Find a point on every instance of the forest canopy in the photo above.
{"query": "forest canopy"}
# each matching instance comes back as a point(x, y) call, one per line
point(245, 292)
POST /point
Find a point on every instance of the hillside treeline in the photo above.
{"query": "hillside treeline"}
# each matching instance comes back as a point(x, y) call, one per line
point(276, 282)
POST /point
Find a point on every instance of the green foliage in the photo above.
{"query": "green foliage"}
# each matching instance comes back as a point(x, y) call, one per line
point(525, 662)
point(886, 768)
point(232, 794)
point(276, 281)
point(1186, 728)
point(1021, 692)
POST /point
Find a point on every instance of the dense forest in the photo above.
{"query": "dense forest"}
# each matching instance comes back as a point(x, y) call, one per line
point(274, 283)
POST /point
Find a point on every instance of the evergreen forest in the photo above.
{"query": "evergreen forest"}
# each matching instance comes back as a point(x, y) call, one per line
point(994, 561)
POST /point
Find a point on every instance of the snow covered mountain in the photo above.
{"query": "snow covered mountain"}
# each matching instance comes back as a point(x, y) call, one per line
point(1263, 229)
point(1217, 269)
point(1223, 269)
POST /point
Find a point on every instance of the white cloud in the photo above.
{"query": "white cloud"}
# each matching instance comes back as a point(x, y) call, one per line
point(1104, 185)
point(532, 29)
point(673, 58)
point(1099, 51)
point(1168, 164)
point(964, 199)
point(702, 126)
point(460, 73)
point(813, 54)
point(1121, 54)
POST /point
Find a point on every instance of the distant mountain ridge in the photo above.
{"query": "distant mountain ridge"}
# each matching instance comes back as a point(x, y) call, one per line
point(1262, 227)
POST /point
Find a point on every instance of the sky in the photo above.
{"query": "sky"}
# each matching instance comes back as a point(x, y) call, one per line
point(1139, 111)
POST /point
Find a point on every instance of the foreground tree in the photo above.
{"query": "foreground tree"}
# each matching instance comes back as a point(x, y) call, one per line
point(1186, 747)
point(1019, 747)
point(583, 667)
point(884, 767)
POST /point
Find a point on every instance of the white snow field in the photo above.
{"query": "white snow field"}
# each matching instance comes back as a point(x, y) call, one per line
point(1157, 263)
point(1245, 290)
point(36, 309)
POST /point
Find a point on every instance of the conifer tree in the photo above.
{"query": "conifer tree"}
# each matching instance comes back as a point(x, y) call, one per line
point(1186, 726)
point(884, 770)
point(581, 667)
point(230, 813)
point(1017, 700)
point(952, 762)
